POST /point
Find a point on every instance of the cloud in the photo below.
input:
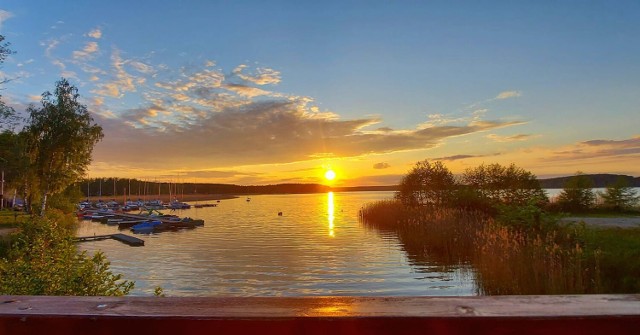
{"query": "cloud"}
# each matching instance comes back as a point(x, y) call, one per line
point(461, 157)
point(246, 91)
point(261, 132)
point(4, 16)
point(382, 165)
point(512, 138)
point(96, 33)
point(508, 95)
point(121, 81)
point(50, 45)
point(455, 157)
point(89, 49)
point(210, 174)
point(141, 67)
point(262, 75)
point(600, 149)
point(28, 61)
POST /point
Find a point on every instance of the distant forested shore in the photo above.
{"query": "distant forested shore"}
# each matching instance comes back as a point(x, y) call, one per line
point(600, 180)
point(110, 187)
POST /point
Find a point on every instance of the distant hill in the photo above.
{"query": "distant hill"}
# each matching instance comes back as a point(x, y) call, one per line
point(599, 180)
point(137, 188)
point(365, 188)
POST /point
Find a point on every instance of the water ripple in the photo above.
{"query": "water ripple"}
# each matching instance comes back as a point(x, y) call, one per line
point(246, 249)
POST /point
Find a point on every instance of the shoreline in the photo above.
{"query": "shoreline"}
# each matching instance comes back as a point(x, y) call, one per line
point(165, 197)
point(614, 222)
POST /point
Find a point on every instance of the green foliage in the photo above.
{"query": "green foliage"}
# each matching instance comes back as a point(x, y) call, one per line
point(427, 184)
point(500, 185)
point(619, 196)
point(577, 195)
point(43, 260)
point(67, 200)
point(530, 217)
point(520, 249)
point(60, 138)
point(617, 252)
point(158, 292)
point(8, 118)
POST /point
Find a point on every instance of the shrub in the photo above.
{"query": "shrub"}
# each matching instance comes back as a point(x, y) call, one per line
point(577, 195)
point(427, 184)
point(44, 260)
point(619, 196)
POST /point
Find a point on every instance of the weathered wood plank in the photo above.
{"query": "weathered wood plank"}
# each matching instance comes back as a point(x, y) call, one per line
point(126, 239)
point(581, 314)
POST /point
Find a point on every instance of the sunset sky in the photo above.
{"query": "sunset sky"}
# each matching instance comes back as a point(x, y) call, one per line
point(259, 92)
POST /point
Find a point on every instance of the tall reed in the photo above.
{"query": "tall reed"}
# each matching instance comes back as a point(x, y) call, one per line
point(507, 260)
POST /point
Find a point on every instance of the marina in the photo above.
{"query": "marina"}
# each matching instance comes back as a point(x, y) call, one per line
point(147, 221)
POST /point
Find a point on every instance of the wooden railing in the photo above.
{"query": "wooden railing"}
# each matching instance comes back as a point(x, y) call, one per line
point(580, 314)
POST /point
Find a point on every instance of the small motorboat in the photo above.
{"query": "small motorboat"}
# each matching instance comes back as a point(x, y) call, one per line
point(146, 227)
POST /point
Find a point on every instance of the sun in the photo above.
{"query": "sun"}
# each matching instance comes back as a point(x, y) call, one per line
point(330, 175)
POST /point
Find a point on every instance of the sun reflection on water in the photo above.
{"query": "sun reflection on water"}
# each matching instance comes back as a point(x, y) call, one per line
point(330, 213)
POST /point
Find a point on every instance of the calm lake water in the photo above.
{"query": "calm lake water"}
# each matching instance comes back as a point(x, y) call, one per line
point(317, 247)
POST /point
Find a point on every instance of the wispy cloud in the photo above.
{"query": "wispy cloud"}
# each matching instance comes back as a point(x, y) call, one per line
point(262, 75)
point(245, 90)
point(462, 157)
point(96, 33)
point(4, 16)
point(508, 95)
point(89, 49)
point(121, 81)
point(142, 67)
point(511, 138)
point(381, 165)
point(600, 149)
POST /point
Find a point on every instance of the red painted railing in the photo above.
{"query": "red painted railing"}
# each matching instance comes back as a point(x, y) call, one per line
point(580, 314)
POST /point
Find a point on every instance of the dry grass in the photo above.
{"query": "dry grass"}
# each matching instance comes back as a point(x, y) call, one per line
point(506, 260)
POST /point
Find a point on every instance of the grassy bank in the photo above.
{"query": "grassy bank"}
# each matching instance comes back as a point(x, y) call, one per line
point(508, 259)
point(9, 218)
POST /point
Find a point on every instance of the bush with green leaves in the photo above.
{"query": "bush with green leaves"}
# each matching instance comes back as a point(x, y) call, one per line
point(428, 183)
point(577, 195)
point(44, 260)
point(619, 196)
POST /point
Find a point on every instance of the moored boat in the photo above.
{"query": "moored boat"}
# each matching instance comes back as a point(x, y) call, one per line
point(146, 227)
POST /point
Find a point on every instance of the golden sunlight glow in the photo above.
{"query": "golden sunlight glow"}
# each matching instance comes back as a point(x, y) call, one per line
point(330, 213)
point(330, 175)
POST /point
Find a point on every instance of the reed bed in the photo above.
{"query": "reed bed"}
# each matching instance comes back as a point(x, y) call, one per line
point(506, 260)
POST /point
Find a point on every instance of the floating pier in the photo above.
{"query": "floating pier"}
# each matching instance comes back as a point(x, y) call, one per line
point(126, 239)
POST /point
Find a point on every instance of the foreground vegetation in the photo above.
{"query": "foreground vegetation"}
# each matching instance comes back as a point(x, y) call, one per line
point(571, 259)
point(40, 163)
point(501, 229)
point(42, 259)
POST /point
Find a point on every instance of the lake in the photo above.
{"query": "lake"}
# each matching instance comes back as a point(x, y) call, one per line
point(317, 247)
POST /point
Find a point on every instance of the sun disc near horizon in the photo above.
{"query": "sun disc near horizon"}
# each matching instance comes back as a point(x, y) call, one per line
point(330, 175)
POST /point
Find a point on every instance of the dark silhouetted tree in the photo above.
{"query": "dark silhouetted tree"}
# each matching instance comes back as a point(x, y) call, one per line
point(507, 185)
point(619, 195)
point(427, 184)
point(577, 195)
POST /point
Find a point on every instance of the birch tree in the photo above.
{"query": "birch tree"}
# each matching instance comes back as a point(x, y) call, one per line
point(61, 135)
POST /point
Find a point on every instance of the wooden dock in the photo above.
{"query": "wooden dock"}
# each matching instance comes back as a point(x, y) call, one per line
point(126, 239)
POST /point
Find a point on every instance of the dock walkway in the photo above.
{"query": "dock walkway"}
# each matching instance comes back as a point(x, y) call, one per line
point(126, 239)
